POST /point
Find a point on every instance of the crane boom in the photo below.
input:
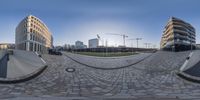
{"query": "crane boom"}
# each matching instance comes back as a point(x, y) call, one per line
point(123, 36)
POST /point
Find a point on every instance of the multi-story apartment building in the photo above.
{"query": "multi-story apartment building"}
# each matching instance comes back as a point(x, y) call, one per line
point(93, 43)
point(178, 35)
point(33, 35)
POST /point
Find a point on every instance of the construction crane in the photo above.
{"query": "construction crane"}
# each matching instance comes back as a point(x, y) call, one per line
point(123, 36)
point(137, 39)
point(147, 45)
point(100, 38)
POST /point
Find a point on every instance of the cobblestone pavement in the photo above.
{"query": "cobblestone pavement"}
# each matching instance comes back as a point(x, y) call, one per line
point(108, 62)
point(155, 77)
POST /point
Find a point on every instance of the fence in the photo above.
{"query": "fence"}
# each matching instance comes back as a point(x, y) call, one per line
point(113, 49)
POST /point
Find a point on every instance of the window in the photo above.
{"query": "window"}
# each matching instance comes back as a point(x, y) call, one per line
point(25, 46)
point(33, 37)
point(38, 47)
point(35, 47)
point(31, 47)
point(30, 36)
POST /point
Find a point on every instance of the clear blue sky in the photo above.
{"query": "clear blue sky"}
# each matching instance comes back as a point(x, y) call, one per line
point(71, 20)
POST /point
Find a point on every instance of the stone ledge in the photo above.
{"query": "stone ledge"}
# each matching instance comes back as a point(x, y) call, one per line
point(23, 78)
point(188, 77)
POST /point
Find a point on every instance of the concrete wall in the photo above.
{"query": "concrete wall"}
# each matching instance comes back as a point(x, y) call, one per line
point(193, 59)
point(3, 64)
point(2, 53)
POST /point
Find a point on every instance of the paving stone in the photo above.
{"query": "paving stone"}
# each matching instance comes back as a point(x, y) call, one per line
point(152, 77)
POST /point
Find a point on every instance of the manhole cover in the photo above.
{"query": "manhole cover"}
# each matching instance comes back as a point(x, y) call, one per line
point(70, 69)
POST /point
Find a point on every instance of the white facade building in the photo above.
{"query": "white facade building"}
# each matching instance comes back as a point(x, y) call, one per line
point(33, 35)
point(93, 43)
point(79, 45)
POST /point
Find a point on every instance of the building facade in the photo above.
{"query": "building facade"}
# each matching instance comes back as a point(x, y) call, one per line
point(198, 46)
point(80, 45)
point(33, 35)
point(4, 46)
point(93, 43)
point(178, 35)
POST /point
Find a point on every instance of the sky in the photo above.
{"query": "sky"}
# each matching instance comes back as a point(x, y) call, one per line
point(72, 20)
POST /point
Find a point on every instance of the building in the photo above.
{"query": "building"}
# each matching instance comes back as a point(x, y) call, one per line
point(7, 46)
point(178, 35)
point(80, 45)
point(33, 35)
point(93, 43)
point(198, 46)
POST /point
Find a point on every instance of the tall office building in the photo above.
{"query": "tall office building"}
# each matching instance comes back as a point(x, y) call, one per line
point(93, 43)
point(178, 35)
point(33, 35)
point(80, 45)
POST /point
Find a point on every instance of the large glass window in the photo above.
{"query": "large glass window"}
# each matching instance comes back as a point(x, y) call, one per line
point(25, 46)
point(31, 47)
point(33, 37)
point(30, 36)
point(38, 47)
point(35, 47)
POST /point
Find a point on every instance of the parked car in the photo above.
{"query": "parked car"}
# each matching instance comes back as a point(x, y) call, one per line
point(54, 52)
